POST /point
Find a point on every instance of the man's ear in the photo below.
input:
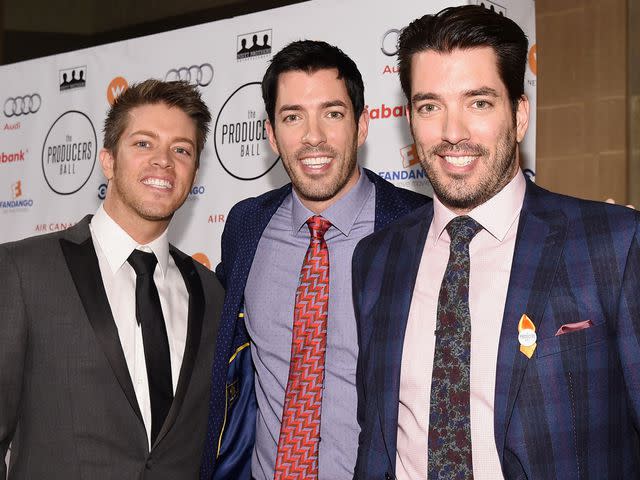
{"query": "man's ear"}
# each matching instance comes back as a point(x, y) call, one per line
point(272, 138)
point(107, 161)
point(522, 118)
point(363, 126)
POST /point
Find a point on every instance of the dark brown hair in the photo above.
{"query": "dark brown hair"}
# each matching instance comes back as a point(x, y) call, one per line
point(177, 94)
point(464, 27)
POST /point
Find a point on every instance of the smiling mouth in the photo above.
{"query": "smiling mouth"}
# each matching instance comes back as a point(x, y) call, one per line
point(459, 161)
point(158, 183)
point(315, 162)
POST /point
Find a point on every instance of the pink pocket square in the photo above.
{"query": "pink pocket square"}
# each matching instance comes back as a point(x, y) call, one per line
point(574, 327)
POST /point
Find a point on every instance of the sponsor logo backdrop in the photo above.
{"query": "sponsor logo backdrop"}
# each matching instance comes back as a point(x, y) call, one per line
point(54, 108)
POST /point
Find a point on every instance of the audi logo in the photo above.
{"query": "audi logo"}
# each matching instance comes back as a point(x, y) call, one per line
point(200, 75)
point(16, 106)
point(389, 43)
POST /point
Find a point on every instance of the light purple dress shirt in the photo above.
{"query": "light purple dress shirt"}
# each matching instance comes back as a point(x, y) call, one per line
point(269, 304)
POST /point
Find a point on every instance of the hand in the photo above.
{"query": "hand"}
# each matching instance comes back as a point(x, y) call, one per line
point(611, 200)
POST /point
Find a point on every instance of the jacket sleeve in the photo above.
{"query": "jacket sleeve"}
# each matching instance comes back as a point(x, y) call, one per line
point(628, 325)
point(13, 347)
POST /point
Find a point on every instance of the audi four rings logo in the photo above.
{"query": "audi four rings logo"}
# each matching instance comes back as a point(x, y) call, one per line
point(16, 106)
point(389, 43)
point(200, 75)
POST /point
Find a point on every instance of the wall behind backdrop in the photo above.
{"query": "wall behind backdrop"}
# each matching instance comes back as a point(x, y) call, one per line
point(54, 108)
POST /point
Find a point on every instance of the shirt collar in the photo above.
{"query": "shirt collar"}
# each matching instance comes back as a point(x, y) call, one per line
point(496, 215)
point(117, 245)
point(343, 213)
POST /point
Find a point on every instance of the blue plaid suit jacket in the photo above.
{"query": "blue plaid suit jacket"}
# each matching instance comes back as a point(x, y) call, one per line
point(232, 406)
point(571, 411)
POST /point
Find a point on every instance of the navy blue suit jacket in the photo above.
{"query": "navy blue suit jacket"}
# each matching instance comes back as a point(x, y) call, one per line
point(572, 410)
point(231, 429)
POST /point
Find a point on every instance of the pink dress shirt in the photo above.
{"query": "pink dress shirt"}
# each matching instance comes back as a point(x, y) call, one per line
point(491, 254)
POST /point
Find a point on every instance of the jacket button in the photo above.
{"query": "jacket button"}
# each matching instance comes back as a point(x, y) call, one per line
point(149, 464)
point(388, 476)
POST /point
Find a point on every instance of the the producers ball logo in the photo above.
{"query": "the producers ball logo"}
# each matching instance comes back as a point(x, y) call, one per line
point(69, 153)
point(240, 135)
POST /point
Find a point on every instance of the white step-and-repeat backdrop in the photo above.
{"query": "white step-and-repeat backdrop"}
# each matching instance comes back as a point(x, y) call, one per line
point(53, 109)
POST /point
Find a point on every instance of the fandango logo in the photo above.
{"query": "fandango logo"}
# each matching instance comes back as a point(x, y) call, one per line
point(16, 198)
point(385, 111)
point(12, 157)
point(415, 174)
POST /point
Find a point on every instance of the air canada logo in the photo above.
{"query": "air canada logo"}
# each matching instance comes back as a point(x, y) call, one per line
point(69, 152)
point(24, 105)
point(17, 200)
point(240, 135)
point(254, 44)
point(200, 75)
point(70, 78)
point(115, 88)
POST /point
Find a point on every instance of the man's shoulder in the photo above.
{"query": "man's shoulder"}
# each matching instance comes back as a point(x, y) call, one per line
point(38, 245)
point(589, 216)
point(268, 201)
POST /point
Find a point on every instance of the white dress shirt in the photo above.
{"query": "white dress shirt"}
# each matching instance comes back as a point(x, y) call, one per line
point(491, 253)
point(113, 246)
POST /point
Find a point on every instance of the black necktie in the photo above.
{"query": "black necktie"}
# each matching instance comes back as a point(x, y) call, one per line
point(154, 339)
point(449, 441)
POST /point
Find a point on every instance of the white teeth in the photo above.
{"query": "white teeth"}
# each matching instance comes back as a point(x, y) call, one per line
point(157, 182)
point(459, 161)
point(315, 162)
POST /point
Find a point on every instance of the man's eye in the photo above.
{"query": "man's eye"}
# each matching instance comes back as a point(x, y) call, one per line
point(143, 144)
point(335, 114)
point(183, 151)
point(428, 108)
point(292, 117)
point(481, 104)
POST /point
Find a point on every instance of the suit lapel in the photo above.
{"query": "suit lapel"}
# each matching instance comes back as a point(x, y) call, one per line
point(82, 261)
point(399, 278)
point(194, 333)
point(540, 240)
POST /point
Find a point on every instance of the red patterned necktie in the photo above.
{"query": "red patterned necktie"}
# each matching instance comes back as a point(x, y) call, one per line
point(300, 430)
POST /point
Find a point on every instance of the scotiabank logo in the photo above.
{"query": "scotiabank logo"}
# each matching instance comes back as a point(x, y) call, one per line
point(387, 111)
point(12, 157)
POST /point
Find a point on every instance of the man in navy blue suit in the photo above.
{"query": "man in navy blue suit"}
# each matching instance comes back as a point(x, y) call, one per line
point(499, 326)
point(314, 97)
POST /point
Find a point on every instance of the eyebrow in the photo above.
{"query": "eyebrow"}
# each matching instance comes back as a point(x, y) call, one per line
point(327, 104)
point(148, 133)
point(476, 92)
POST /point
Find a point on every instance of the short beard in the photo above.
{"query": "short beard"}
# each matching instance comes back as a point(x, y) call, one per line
point(314, 191)
point(458, 194)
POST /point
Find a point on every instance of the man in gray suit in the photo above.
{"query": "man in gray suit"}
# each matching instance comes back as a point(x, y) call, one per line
point(105, 366)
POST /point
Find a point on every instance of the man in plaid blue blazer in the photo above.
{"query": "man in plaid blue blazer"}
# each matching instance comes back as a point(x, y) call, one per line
point(566, 394)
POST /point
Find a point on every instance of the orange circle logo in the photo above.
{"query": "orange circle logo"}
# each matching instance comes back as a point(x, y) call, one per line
point(115, 89)
point(533, 59)
point(202, 258)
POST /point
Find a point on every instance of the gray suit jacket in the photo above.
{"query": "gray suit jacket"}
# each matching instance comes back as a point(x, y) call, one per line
point(66, 397)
